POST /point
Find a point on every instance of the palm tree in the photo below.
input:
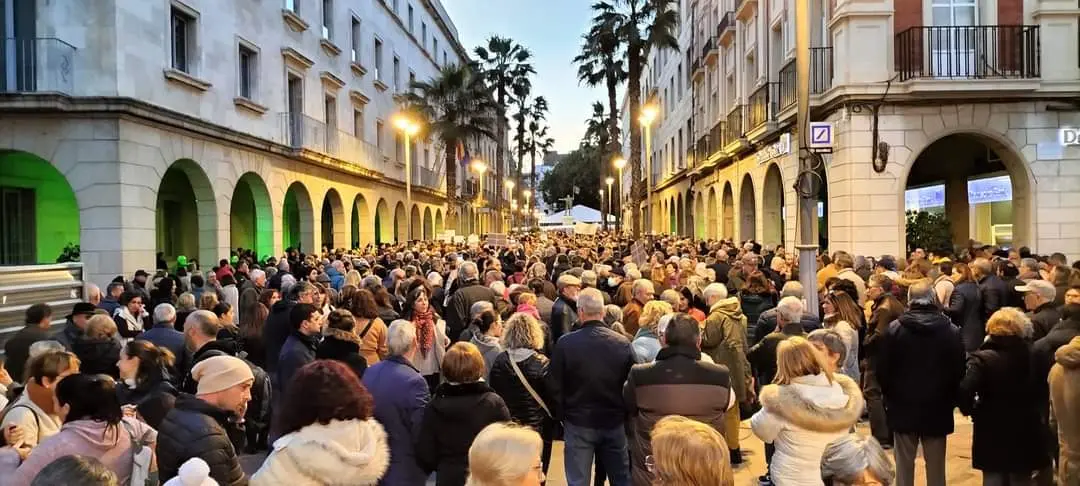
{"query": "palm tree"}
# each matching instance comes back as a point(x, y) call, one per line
point(640, 26)
point(504, 63)
point(456, 107)
point(596, 129)
point(538, 141)
point(521, 91)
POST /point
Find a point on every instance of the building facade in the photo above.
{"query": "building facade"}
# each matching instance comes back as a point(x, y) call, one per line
point(143, 128)
point(955, 106)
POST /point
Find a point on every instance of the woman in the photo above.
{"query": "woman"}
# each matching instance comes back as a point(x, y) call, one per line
point(803, 411)
point(843, 316)
point(505, 455)
point(229, 330)
point(688, 299)
point(208, 301)
point(646, 343)
point(831, 346)
point(756, 297)
point(460, 409)
point(371, 329)
point(430, 334)
point(965, 307)
point(855, 459)
point(341, 343)
point(778, 271)
point(352, 277)
point(384, 306)
point(526, 304)
point(252, 321)
point(330, 436)
point(129, 316)
point(81, 470)
point(35, 411)
point(98, 347)
point(523, 339)
point(185, 305)
point(489, 328)
point(996, 393)
point(269, 297)
point(94, 425)
point(145, 380)
point(686, 452)
point(537, 273)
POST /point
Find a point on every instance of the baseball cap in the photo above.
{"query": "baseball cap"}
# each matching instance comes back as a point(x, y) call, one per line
point(1041, 287)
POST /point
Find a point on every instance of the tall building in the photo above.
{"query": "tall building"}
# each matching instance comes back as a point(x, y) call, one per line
point(953, 106)
point(189, 127)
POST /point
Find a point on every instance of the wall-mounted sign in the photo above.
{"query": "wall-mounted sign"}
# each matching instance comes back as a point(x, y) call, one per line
point(774, 150)
point(821, 135)
point(1069, 136)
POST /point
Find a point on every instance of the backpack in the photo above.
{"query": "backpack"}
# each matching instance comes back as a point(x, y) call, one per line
point(141, 458)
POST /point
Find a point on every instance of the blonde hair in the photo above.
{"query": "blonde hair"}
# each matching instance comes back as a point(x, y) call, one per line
point(503, 454)
point(208, 301)
point(186, 302)
point(796, 357)
point(100, 326)
point(526, 298)
point(687, 452)
point(523, 331)
point(651, 314)
point(1008, 321)
point(463, 363)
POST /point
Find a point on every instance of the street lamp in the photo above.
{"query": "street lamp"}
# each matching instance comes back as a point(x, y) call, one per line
point(619, 163)
point(510, 194)
point(603, 216)
point(648, 116)
point(609, 181)
point(409, 128)
point(479, 166)
point(527, 193)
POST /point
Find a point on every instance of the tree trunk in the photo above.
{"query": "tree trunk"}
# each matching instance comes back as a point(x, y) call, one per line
point(633, 87)
point(613, 136)
point(450, 162)
point(520, 152)
point(500, 157)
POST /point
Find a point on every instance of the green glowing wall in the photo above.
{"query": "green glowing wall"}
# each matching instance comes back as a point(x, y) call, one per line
point(290, 223)
point(57, 212)
point(177, 217)
point(251, 216)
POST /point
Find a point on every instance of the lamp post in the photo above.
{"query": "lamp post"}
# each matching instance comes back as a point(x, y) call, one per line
point(648, 116)
point(609, 181)
point(603, 215)
point(509, 183)
point(408, 127)
point(620, 163)
point(807, 216)
point(528, 194)
point(480, 167)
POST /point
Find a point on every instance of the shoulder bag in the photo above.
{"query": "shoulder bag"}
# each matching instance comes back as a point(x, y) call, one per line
point(525, 383)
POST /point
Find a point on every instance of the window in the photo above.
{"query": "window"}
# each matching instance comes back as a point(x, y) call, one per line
point(356, 38)
point(249, 71)
point(378, 59)
point(412, 79)
point(435, 46)
point(397, 74)
point(444, 58)
point(379, 135)
point(327, 19)
point(183, 40)
point(410, 19)
point(396, 6)
point(358, 123)
point(423, 35)
point(292, 6)
point(330, 113)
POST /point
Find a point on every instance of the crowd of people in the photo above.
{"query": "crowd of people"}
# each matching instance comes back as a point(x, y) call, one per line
point(397, 363)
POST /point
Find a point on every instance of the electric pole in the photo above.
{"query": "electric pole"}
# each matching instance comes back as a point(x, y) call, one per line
point(807, 221)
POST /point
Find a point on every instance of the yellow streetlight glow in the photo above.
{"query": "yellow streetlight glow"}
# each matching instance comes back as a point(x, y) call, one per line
point(479, 166)
point(509, 184)
point(407, 125)
point(648, 114)
point(609, 181)
point(619, 163)
point(527, 193)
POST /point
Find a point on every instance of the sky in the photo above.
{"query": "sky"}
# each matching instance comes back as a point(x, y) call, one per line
point(552, 30)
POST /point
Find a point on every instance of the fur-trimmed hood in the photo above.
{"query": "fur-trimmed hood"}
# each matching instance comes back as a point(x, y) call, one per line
point(340, 335)
point(341, 453)
point(812, 403)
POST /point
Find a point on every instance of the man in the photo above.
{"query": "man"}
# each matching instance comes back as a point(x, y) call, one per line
point(138, 285)
point(111, 301)
point(543, 304)
point(641, 293)
point(677, 383)
point(17, 349)
point(943, 283)
point(279, 322)
point(400, 395)
point(564, 314)
point(919, 365)
point(1059, 276)
point(93, 294)
point(886, 265)
point(202, 425)
point(164, 333)
point(588, 281)
point(1039, 297)
point(470, 292)
point(299, 348)
point(721, 267)
point(588, 370)
point(724, 340)
point(737, 276)
point(257, 281)
point(336, 272)
point(845, 264)
point(884, 309)
point(76, 324)
point(766, 323)
point(200, 341)
point(787, 315)
point(992, 289)
point(1029, 269)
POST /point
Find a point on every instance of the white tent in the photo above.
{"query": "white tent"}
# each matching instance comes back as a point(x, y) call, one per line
point(579, 213)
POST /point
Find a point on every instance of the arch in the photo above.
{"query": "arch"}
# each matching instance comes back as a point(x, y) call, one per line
point(712, 228)
point(772, 207)
point(415, 228)
point(333, 220)
point(187, 214)
point(439, 222)
point(429, 225)
point(39, 214)
point(251, 216)
point(401, 225)
point(747, 211)
point(680, 215)
point(362, 227)
point(699, 217)
point(384, 229)
point(297, 219)
point(728, 210)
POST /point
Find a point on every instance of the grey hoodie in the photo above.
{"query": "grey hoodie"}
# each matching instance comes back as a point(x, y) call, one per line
point(110, 445)
point(489, 348)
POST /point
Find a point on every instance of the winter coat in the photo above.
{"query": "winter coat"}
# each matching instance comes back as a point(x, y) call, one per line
point(110, 445)
point(631, 314)
point(801, 419)
point(340, 453)
point(153, 400)
point(523, 408)
point(373, 343)
point(343, 346)
point(489, 348)
point(98, 356)
point(919, 365)
point(451, 421)
point(68, 335)
point(17, 349)
point(996, 393)
point(766, 324)
point(1043, 319)
point(762, 356)
point(965, 309)
point(298, 351)
point(457, 310)
point(109, 305)
point(400, 395)
point(277, 329)
point(194, 428)
point(724, 340)
point(544, 306)
point(677, 383)
point(995, 295)
point(850, 336)
point(860, 284)
point(129, 325)
point(753, 305)
point(166, 337)
point(646, 344)
point(1065, 403)
point(564, 318)
point(1042, 352)
point(588, 370)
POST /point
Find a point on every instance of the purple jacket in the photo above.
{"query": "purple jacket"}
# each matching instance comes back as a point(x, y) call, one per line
point(83, 437)
point(400, 395)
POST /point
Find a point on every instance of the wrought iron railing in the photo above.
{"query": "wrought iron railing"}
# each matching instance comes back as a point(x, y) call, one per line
point(710, 45)
point(727, 21)
point(37, 65)
point(733, 127)
point(968, 52)
point(760, 110)
point(423, 176)
point(821, 77)
point(716, 138)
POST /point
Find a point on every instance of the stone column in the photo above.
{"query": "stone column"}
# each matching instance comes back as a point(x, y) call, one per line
point(957, 209)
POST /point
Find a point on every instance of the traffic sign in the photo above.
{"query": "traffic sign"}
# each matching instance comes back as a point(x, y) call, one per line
point(821, 135)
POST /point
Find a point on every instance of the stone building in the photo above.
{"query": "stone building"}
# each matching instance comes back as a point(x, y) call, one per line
point(944, 105)
point(188, 127)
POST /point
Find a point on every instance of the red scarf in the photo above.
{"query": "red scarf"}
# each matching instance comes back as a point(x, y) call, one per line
point(425, 329)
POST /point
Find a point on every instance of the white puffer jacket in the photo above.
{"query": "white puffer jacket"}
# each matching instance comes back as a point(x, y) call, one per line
point(341, 453)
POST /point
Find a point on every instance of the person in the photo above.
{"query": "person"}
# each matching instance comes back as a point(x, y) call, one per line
point(676, 383)
point(111, 301)
point(884, 309)
point(98, 348)
point(544, 304)
point(370, 328)
point(943, 283)
point(831, 346)
point(299, 348)
point(804, 410)
point(526, 395)
point(756, 296)
point(431, 335)
point(330, 433)
point(1039, 301)
point(766, 323)
point(919, 365)
point(202, 425)
point(965, 307)
point(185, 305)
point(145, 380)
point(527, 305)
point(724, 340)
point(470, 291)
point(505, 455)
point(164, 333)
point(995, 294)
point(646, 342)
point(854, 459)
point(564, 315)
point(1064, 382)
point(460, 408)
point(75, 326)
point(75, 469)
point(341, 343)
point(589, 281)
point(1008, 441)
point(35, 411)
point(845, 266)
point(200, 342)
point(762, 356)
point(843, 316)
point(688, 452)
point(279, 325)
point(642, 292)
point(94, 425)
point(17, 347)
point(225, 313)
point(489, 328)
point(588, 369)
point(129, 316)
point(252, 322)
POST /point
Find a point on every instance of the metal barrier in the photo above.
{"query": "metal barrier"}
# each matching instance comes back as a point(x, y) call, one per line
point(59, 285)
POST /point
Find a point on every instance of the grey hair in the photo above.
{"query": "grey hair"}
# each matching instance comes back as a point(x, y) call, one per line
point(92, 290)
point(435, 279)
point(789, 310)
point(75, 469)
point(468, 271)
point(633, 273)
point(257, 274)
point(612, 314)
point(671, 296)
point(588, 277)
point(921, 293)
point(401, 338)
point(479, 307)
point(1030, 263)
point(164, 313)
point(523, 331)
point(642, 284)
point(41, 347)
point(590, 302)
point(714, 292)
point(498, 287)
point(831, 340)
point(792, 288)
point(186, 301)
point(204, 322)
point(846, 458)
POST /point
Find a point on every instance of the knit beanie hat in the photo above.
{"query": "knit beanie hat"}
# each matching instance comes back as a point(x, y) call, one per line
point(219, 373)
point(194, 472)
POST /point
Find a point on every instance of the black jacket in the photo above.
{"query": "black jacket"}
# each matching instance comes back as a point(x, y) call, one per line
point(523, 408)
point(194, 428)
point(1043, 319)
point(766, 324)
point(258, 410)
point(98, 356)
point(564, 318)
point(588, 370)
point(1042, 352)
point(17, 349)
point(342, 346)
point(966, 311)
point(298, 351)
point(276, 331)
point(451, 421)
point(919, 364)
point(995, 295)
point(762, 356)
point(457, 310)
point(996, 393)
point(754, 305)
point(68, 335)
point(153, 399)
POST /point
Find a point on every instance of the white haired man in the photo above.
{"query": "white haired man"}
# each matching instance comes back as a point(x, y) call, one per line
point(640, 294)
point(724, 340)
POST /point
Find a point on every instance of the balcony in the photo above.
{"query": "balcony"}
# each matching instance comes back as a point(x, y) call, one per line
point(821, 76)
point(423, 176)
point(303, 133)
point(733, 126)
point(37, 65)
point(698, 70)
point(745, 9)
point(710, 52)
point(716, 138)
point(760, 110)
point(725, 30)
point(968, 52)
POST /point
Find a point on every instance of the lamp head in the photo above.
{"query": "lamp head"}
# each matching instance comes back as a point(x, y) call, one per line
point(619, 163)
point(510, 184)
point(406, 125)
point(527, 193)
point(648, 114)
point(479, 166)
point(610, 180)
